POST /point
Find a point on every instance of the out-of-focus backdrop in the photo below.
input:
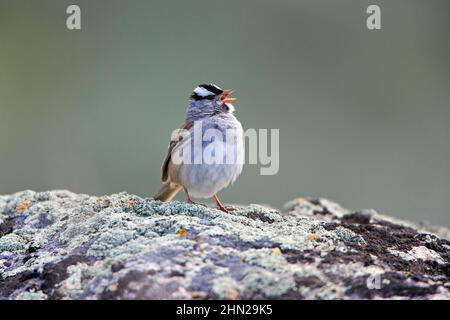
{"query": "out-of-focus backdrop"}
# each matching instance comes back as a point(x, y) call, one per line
point(364, 116)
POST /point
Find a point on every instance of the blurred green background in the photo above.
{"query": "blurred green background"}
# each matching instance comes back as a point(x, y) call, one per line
point(364, 116)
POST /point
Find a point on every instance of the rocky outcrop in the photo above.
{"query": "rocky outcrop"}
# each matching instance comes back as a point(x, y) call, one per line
point(61, 245)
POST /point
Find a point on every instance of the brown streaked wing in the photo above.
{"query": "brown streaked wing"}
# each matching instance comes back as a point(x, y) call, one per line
point(172, 145)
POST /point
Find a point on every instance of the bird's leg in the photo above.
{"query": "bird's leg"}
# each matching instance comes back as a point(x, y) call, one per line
point(186, 196)
point(188, 199)
point(219, 204)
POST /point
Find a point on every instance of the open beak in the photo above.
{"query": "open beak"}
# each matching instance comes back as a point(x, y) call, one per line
point(224, 96)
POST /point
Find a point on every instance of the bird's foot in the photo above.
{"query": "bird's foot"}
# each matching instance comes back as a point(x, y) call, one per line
point(220, 205)
point(221, 208)
point(225, 209)
point(197, 204)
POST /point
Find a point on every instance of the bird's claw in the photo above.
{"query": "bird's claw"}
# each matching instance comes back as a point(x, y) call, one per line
point(195, 203)
point(226, 209)
point(223, 209)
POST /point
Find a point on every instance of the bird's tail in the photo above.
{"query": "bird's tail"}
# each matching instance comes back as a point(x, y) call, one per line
point(167, 192)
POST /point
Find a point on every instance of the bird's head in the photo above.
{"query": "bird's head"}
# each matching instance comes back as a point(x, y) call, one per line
point(207, 100)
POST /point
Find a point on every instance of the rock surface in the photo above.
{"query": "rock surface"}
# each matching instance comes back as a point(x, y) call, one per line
point(61, 245)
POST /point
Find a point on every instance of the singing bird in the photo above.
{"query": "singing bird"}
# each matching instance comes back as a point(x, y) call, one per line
point(212, 108)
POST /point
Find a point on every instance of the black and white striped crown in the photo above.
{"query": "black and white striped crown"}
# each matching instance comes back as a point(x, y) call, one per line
point(206, 91)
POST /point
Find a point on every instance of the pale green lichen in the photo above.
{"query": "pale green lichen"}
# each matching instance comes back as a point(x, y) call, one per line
point(347, 235)
point(28, 295)
point(12, 243)
point(268, 259)
point(109, 240)
point(226, 287)
point(267, 284)
point(405, 256)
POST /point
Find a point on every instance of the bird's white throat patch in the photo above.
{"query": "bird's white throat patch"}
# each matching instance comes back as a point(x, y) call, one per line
point(229, 108)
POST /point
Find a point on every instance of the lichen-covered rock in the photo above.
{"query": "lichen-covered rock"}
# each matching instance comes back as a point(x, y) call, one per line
point(61, 245)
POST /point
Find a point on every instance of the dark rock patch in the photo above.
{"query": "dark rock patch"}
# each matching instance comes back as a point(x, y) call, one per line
point(336, 256)
point(297, 256)
point(260, 216)
point(7, 226)
point(292, 294)
point(22, 280)
point(330, 226)
point(356, 218)
point(43, 222)
point(137, 285)
point(380, 237)
point(54, 273)
point(311, 282)
point(48, 280)
point(388, 285)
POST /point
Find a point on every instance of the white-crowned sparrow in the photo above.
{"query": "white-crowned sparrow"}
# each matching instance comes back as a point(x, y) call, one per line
point(209, 108)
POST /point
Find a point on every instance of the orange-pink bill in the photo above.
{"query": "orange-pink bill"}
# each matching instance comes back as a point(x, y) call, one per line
point(224, 96)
